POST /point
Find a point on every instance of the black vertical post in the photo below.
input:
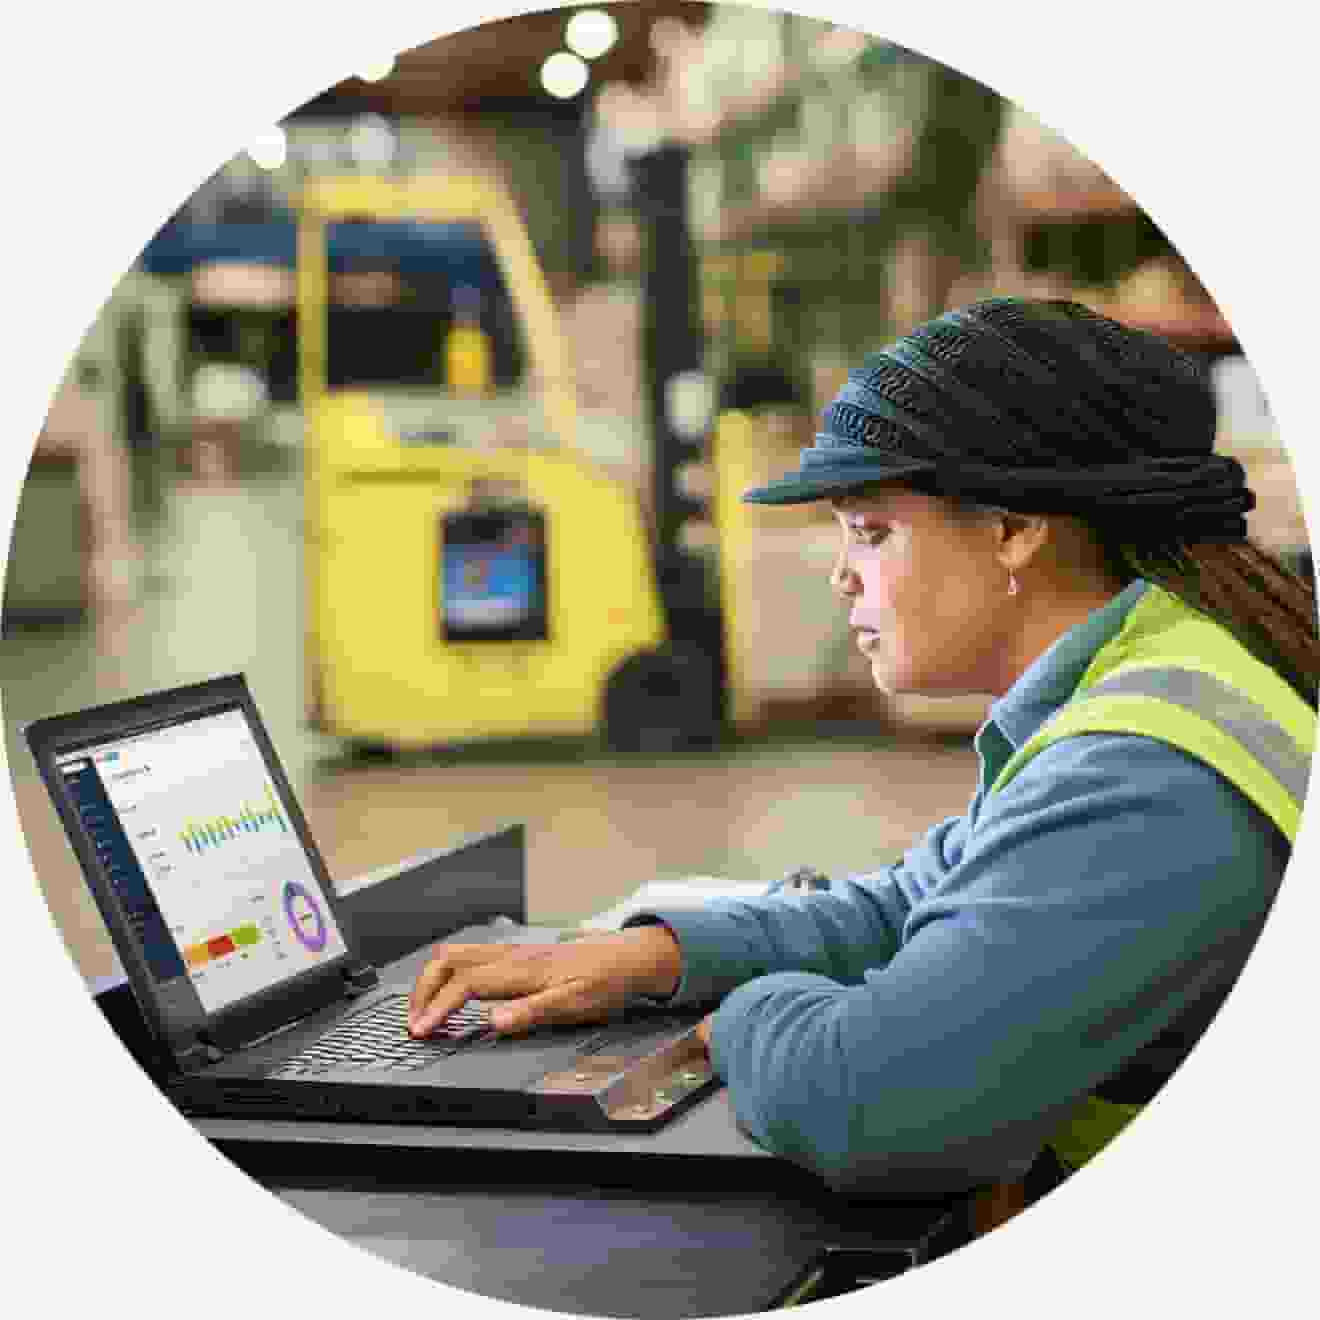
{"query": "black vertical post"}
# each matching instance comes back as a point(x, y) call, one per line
point(673, 343)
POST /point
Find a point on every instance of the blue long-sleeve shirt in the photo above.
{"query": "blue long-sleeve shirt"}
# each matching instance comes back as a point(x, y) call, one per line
point(929, 1023)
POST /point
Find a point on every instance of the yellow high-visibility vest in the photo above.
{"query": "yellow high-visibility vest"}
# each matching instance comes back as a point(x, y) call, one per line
point(1172, 673)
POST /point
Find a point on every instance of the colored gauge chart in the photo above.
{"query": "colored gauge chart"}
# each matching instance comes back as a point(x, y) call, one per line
point(306, 921)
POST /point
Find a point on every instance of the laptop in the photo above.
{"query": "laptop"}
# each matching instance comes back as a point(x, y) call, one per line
point(242, 959)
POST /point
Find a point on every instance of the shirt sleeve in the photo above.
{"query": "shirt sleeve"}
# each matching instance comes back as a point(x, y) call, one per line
point(841, 932)
point(1089, 902)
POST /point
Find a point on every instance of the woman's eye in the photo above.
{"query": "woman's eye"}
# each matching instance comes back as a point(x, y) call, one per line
point(869, 535)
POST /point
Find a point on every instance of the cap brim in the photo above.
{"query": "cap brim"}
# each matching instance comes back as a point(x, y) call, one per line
point(822, 484)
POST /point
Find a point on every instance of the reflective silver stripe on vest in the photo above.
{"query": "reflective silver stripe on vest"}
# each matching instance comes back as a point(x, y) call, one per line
point(1227, 709)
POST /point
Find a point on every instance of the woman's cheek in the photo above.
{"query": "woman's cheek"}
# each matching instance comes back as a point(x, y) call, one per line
point(879, 579)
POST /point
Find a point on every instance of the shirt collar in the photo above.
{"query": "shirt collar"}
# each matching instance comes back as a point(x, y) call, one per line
point(1053, 676)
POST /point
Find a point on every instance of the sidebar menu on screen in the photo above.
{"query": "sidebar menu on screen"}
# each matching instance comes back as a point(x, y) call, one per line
point(120, 864)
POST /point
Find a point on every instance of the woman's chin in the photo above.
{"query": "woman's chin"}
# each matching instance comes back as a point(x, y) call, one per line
point(884, 677)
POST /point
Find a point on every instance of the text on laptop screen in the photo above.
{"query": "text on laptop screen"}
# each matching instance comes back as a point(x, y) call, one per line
point(198, 847)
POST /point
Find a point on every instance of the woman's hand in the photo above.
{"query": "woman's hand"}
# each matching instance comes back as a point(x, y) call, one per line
point(585, 980)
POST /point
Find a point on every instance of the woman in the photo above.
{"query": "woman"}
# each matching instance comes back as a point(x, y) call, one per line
point(1029, 506)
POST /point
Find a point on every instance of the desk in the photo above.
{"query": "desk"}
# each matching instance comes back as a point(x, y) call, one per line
point(655, 1232)
point(692, 1220)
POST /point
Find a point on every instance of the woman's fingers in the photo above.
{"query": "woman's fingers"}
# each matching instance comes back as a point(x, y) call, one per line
point(445, 985)
point(452, 961)
point(569, 1001)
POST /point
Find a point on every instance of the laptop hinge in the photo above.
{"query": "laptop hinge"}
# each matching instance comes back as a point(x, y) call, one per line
point(359, 978)
point(201, 1054)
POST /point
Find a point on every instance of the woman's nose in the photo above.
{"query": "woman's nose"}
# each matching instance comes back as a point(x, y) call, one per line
point(843, 579)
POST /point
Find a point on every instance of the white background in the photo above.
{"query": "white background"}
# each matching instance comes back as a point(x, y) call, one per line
point(114, 114)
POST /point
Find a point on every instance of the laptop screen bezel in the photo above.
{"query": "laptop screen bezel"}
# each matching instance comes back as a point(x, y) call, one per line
point(52, 739)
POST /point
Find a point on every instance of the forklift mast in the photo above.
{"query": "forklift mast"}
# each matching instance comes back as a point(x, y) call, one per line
point(672, 345)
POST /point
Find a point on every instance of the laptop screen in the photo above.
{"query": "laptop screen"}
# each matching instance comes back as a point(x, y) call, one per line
point(197, 845)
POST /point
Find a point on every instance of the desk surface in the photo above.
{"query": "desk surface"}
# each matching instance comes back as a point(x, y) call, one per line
point(652, 1227)
point(607, 1252)
point(692, 1220)
point(579, 1231)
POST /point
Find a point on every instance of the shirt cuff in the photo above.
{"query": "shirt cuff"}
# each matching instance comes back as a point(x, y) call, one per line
point(713, 963)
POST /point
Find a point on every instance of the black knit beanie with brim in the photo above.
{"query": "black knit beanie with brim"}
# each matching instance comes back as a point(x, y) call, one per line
point(1035, 407)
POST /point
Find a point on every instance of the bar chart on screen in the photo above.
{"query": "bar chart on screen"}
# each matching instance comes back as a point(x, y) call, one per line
point(213, 831)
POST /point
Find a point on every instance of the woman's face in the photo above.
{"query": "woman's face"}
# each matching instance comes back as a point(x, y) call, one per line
point(927, 593)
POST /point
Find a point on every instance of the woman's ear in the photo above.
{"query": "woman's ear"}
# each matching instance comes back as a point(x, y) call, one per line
point(1021, 538)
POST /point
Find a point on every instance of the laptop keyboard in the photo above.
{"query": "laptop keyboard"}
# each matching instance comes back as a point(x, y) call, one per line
point(378, 1039)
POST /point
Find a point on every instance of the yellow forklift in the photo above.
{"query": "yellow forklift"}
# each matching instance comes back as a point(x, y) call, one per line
point(472, 575)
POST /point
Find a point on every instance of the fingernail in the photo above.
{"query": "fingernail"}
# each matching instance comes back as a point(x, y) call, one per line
point(501, 1019)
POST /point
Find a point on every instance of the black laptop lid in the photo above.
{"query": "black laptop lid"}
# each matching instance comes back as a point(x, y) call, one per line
point(199, 859)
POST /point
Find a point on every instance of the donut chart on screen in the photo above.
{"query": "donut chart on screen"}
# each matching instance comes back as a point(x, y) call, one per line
point(305, 918)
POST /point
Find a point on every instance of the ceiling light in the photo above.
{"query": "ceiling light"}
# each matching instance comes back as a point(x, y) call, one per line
point(564, 75)
point(590, 33)
point(269, 149)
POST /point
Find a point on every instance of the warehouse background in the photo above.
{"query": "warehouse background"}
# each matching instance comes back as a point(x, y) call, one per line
point(834, 189)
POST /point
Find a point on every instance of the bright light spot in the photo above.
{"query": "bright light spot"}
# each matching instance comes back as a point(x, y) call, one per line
point(227, 391)
point(269, 149)
point(378, 71)
point(689, 403)
point(371, 142)
point(564, 75)
point(590, 33)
